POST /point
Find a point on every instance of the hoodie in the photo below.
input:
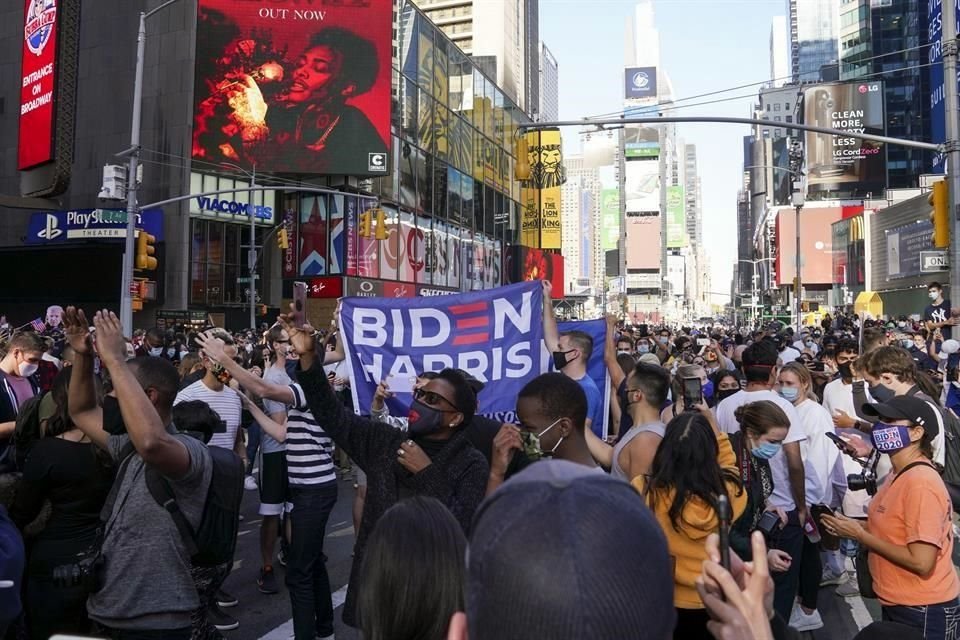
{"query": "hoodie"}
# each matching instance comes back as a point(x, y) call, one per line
point(697, 521)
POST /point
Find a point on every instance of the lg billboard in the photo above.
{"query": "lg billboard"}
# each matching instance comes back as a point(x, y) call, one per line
point(293, 86)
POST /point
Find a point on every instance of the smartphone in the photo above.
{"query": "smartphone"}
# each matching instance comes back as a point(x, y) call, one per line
point(703, 342)
point(725, 515)
point(841, 444)
point(299, 303)
point(692, 393)
point(400, 384)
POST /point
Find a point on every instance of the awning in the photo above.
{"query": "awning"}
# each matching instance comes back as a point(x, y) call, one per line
point(869, 302)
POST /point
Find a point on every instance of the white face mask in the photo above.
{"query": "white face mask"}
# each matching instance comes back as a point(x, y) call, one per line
point(934, 295)
point(171, 352)
point(27, 369)
point(156, 351)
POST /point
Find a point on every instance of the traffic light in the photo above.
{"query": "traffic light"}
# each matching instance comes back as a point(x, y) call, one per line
point(367, 222)
point(381, 233)
point(939, 199)
point(145, 251)
point(365, 219)
point(282, 241)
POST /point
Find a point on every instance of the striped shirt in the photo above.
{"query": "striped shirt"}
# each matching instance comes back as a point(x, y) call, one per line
point(309, 448)
point(225, 403)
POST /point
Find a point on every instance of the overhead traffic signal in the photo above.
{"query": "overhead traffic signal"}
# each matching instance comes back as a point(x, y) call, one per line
point(145, 251)
point(282, 241)
point(366, 224)
point(939, 199)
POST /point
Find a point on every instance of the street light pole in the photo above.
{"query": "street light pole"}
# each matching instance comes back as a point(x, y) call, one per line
point(798, 201)
point(252, 255)
point(952, 144)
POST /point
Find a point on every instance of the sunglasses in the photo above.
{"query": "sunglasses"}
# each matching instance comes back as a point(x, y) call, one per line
point(431, 398)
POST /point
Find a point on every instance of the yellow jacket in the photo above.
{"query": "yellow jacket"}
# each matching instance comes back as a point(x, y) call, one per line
point(698, 520)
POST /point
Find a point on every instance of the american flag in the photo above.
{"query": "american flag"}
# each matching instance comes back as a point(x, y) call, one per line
point(38, 325)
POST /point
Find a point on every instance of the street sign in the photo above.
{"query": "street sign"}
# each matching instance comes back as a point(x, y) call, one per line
point(246, 279)
point(932, 261)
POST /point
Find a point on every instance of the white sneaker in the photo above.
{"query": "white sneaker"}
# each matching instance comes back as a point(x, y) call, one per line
point(250, 483)
point(802, 621)
point(829, 577)
point(850, 588)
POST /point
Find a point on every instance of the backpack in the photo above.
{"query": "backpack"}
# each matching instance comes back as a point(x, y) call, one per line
point(215, 540)
point(25, 434)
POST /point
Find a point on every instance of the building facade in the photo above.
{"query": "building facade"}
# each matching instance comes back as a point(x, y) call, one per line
point(779, 52)
point(549, 86)
point(814, 31)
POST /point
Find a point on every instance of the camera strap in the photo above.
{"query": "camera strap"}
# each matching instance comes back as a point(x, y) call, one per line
point(125, 464)
point(918, 463)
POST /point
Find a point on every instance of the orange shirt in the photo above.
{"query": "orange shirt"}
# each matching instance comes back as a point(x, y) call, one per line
point(915, 508)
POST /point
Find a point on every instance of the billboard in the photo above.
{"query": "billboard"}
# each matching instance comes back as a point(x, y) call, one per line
point(643, 240)
point(524, 264)
point(904, 245)
point(641, 142)
point(676, 218)
point(816, 244)
point(838, 163)
point(59, 227)
point(609, 218)
point(642, 186)
point(294, 87)
point(540, 193)
point(934, 67)
point(38, 82)
point(639, 82)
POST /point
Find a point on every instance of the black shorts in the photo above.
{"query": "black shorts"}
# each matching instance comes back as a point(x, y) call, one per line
point(274, 493)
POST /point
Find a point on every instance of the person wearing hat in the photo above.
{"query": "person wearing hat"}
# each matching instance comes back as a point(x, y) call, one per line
point(530, 575)
point(909, 530)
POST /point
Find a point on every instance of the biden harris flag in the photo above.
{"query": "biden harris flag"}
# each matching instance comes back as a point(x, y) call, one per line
point(494, 335)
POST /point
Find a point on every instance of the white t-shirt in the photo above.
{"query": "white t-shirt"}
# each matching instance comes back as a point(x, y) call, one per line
point(782, 496)
point(821, 457)
point(225, 403)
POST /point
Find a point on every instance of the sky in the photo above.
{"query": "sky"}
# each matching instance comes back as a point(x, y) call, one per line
point(705, 46)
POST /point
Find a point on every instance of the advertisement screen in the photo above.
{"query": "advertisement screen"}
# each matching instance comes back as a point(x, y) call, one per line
point(540, 193)
point(643, 241)
point(816, 245)
point(609, 218)
point(934, 69)
point(641, 142)
point(676, 218)
point(642, 186)
point(38, 75)
point(297, 87)
point(838, 163)
point(640, 82)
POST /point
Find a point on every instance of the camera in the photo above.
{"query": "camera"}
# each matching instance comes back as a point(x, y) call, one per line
point(86, 572)
point(863, 481)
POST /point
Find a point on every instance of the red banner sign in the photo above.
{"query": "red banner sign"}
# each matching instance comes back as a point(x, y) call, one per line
point(38, 83)
point(328, 287)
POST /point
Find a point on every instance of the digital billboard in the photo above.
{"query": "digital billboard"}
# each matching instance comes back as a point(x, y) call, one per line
point(642, 186)
point(294, 87)
point(847, 165)
point(38, 82)
point(609, 218)
point(643, 240)
point(540, 193)
point(676, 218)
point(641, 142)
point(816, 244)
point(640, 82)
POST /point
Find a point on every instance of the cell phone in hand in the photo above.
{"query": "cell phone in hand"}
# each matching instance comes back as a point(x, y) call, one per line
point(299, 303)
point(692, 393)
point(400, 384)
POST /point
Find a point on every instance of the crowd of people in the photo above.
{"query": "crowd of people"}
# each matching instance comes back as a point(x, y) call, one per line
point(744, 471)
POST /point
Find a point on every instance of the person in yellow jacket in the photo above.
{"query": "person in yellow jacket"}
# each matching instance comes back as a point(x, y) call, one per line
point(693, 465)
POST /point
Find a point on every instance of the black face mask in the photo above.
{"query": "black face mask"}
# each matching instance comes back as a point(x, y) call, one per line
point(112, 418)
point(723, 394)
point(881, 393)
point(624, 397)
point(846, 371)
point(423, 420)
point(560, 359)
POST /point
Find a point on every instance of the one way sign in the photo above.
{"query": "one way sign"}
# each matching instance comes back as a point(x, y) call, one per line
point(931, 261)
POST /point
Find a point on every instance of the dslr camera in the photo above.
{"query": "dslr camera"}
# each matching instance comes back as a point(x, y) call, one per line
point(87, 572)
point(864, 481)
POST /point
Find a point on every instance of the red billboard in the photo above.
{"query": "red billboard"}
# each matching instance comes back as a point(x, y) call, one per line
point(38, 74)
point(299, 86)
point(525, 264)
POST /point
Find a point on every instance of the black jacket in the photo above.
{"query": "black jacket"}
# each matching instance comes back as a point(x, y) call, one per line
point(457, 476)
point(758, 483)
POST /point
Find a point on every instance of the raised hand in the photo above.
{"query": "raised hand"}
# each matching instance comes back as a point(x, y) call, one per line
point(76, 329)
point(212, 347)
point(111, 345)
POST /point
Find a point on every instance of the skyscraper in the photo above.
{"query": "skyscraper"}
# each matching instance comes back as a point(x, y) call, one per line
point(814, 31)
point(549, 85)
point(779, 52)
point(503, 36)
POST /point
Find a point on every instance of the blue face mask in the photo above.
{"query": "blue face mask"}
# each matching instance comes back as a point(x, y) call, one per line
point(790, 394)
point(766, 450)
point(888, 438)
point(707, 390)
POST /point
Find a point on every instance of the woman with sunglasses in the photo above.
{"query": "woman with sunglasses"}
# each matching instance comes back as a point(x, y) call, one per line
point(432, 459)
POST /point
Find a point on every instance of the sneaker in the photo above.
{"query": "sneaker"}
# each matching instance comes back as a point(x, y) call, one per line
point(267, 582)
point(802, 621)
point(282, 557)
point(250, 483)
point(849, 589)
point(220, 620)
point(226, 600)
point(829, 577)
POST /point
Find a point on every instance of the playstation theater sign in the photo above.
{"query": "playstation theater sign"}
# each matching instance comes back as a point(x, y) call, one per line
point(83, 225)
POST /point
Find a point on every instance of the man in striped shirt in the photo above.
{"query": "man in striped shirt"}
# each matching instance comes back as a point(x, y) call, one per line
point(213, 390)
point(313, 489)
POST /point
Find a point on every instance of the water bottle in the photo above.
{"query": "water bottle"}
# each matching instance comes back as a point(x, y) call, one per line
point(811, 531)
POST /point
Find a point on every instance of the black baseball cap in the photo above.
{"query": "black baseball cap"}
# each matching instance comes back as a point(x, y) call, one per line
point(920, 412)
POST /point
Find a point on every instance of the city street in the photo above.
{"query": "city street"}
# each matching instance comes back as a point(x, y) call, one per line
point(267, 617)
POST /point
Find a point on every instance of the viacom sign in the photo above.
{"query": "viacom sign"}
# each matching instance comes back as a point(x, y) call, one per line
point(215, 205)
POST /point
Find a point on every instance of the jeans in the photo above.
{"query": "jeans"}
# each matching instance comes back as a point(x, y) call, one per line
point(790, 540)
point(307, 578)
point(935, 621)
point(253, 443)
point(143, 634)
point(811, 572)
point(52, 609)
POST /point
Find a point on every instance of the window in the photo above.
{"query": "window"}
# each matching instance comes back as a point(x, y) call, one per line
point(776, 118)
point(789, 118)
point(776, 106)
point(218, 258)
point(786, 107)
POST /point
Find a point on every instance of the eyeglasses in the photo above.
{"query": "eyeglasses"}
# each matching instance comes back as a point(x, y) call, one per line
point(282, 341)
point(431, 398)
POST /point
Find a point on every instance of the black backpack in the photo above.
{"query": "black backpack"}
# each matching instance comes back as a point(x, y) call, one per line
point(215, 540)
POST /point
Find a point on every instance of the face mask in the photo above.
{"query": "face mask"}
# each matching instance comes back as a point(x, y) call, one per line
point(790, 394)
point(906, 344)
point(766, 450)
point(664, 340)
point(723, 394)
point(423, 420)
point(531, 443)
point(934, 295)
point(846, 372)
point(155, 351)
point(890, 439)
point(221, 374)
point(881, 393)
point(112, 418)
point(901, 324)
point(249, 348)
point(171, 352)
point(643, 348)
point(560, 359)
point(809, 344)
point(623, 353)
point(707, 390)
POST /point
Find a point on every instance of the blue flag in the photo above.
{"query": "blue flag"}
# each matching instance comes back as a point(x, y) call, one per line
point(596, 367)
point(495, 335)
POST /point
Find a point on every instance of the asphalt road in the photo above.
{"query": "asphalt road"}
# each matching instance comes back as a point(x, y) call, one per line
point(268, 617)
